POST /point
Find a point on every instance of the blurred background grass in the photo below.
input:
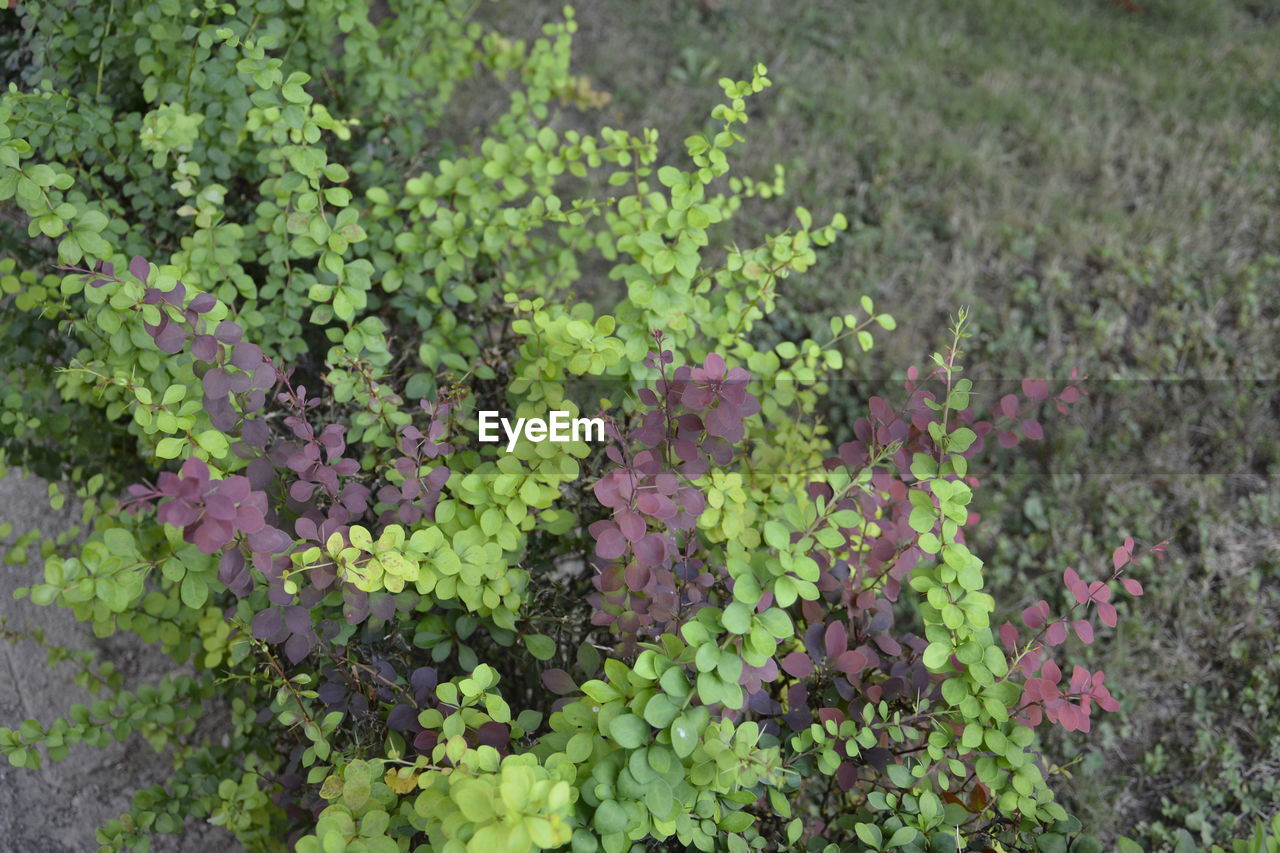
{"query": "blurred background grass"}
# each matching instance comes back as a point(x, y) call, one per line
point(1097, 180)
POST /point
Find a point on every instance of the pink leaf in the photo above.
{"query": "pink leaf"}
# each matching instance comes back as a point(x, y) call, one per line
point(631, 524)
point(1036, 389)
point(611, 544)
point(851, 663)
point(1132, 586)
point(1056, 635)
point(1107, 613)
point(1051, 672)
point(1076, 586)
point(1119, 557)
point(1084, 630)
point(650, 550)
point(636, 576)
point(1032, 430)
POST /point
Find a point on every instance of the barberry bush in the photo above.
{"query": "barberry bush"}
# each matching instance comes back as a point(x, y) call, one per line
point(269, 261)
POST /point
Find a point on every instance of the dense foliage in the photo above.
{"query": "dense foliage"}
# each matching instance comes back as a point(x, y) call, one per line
point(1099, 183)
point(269, 276)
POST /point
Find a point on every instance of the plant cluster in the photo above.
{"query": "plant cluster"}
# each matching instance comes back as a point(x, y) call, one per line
point(281, 292)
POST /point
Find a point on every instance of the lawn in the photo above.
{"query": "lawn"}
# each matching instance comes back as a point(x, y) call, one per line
point(1098, 181)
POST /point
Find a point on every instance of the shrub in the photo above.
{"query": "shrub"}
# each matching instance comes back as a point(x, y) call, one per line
point(274, 323)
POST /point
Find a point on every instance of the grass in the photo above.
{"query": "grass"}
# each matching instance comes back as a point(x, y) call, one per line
point(1100, 185)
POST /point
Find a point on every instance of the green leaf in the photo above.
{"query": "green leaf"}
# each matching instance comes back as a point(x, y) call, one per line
point(540, 646)
point(629, 731)
point(660, 711)
point(361, 538)
point(194, 591)
point(1052, 842)
point(736, 821)
point(674, 683)
point(777, 536)
point(870, 834)
point(119, 542)
point(658, 798)
point(737, 618)
point(776, 621)
point(213, 442)
point(579, 747)
point(936, 655)
point(294, 93)
point(174, 394)
point(960, 440)
point(684, 736)
point(342, 306)
point(900, 776)
point(610, 817)
point(904, 835)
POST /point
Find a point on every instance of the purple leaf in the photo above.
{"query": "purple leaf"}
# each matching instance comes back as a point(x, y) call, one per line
point(202, 303)
point(797, 664)
point(268, 623)
point(220, 507)
point(851, 663)
point(493, 734)
point(836, 640)
point(228, 332)
point(139, 268)
point(724, 422)
point(422, 681)
point(298, 647)
point(402, 718)
point(651, 550)
point(216, 383)
point(246, 356)
point(558, 681)
point(211, 535)
point(171, 337)
point(298, 619)
point(269, 540)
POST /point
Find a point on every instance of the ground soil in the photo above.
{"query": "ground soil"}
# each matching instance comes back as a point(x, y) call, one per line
point(57, 807)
